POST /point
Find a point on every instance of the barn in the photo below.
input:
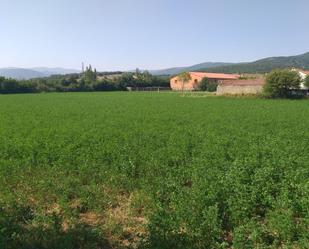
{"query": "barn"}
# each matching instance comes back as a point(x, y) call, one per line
point(196, 78)
point(241, 87)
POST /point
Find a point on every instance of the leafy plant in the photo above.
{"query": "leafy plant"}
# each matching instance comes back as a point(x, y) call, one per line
point(207, 85)
point(184, 77)
point(140, 170)
point(280, 82)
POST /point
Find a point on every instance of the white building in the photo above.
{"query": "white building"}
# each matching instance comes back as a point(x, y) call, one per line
point(302, 75)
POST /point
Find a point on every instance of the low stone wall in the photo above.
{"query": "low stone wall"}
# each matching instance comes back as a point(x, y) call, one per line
point(230, 89)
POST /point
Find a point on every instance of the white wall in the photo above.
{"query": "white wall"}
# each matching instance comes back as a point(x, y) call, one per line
point(303, 77)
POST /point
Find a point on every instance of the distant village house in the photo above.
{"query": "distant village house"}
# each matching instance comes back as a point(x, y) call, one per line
point(196, 78)
point(230, 83)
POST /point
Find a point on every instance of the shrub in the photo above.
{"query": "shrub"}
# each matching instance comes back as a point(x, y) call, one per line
point(279, 83)
point(208, 86)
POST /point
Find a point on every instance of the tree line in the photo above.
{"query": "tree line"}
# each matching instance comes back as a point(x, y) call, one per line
point(89, 80)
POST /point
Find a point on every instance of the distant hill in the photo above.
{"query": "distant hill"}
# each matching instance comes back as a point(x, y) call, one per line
point(29, 73)
point(20, 73)
point(264, 65)
point(197, 67)
point(55, 70)
point(259, 66)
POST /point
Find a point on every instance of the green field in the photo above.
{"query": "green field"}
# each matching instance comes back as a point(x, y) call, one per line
point(153, 170)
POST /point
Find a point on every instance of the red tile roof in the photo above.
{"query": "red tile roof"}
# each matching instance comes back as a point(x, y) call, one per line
point(220, 76)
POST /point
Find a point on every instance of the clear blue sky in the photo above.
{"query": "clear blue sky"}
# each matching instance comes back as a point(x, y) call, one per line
point(149, 34)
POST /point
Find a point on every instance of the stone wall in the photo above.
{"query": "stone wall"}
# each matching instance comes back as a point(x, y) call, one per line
point(238, 89)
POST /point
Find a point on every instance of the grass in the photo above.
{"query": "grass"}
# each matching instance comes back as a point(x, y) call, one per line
point(153, 170)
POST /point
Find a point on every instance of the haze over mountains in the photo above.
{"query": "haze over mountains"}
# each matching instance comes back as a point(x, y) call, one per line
point(37, 72)
point(259, 66)
point(197, 67)
point(265, 65)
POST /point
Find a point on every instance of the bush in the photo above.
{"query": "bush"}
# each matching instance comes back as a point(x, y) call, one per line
point(208, 86)
point(81, 83)
point(279, 83)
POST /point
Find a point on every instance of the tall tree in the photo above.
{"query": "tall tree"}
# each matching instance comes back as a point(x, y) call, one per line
point(90, 76)
point(184, 77)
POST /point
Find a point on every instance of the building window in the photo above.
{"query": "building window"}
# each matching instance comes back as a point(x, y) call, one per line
point(195, 81)
point(175, 81)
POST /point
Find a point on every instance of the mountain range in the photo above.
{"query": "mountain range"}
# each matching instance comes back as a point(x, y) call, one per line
point(265, 65)
point(260, 66)
point(37, 72)
point(197, 67)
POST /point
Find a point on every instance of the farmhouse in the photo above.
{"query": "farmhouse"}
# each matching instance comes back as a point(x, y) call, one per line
point(249, 86)
point(196, 78)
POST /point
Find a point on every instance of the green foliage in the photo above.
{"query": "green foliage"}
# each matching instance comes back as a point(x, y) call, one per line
point(184, 77)
point(280, 82)
point(208, 86)
point(90, 75)
point(204, 84)
point(14, 86)
point(107, 170)
point(88, 81)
